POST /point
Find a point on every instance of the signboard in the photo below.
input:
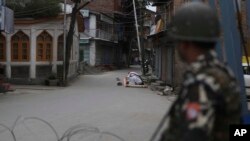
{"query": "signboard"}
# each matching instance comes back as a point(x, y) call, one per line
point(85, 13)
point(84, 41)
point(1, 18)
point(9, 20)
point(6, 19)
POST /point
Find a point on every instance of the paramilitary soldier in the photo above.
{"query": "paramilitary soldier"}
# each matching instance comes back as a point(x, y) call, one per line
point(208, 101)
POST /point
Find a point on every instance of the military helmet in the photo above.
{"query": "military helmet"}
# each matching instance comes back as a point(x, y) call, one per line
point(195, 21)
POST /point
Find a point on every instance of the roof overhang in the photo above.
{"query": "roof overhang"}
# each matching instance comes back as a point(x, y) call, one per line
point(158, 35)
point(159, 2)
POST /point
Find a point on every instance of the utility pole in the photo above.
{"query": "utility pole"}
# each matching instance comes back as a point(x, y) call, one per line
point(139, 41)
point(64, 41)
point(137, 31)
point(142, 40)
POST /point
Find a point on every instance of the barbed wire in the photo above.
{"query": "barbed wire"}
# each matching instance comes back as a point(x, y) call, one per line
point(80, 129)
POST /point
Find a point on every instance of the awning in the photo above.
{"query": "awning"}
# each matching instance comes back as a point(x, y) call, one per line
point(159, 2)
point(157, 35)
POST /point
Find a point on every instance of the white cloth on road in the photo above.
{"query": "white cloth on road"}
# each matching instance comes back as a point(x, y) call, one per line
point(134, 78)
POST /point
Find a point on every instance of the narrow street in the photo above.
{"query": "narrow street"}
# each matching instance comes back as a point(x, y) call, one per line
point(93, 100)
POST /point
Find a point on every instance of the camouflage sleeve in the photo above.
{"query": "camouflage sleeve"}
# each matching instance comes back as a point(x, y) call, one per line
point(198, 112)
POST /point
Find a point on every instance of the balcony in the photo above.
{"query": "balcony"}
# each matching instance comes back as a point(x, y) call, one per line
point(99, 34)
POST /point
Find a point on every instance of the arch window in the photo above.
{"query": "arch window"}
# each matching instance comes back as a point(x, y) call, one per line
point(44, 47)
point(60, 48)
point(20, 48)
point(2, 48)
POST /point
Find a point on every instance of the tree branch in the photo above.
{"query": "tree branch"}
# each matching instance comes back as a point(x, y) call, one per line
point(81, 6)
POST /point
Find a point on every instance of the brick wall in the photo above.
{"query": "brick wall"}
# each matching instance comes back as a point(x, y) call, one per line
point(102, 5)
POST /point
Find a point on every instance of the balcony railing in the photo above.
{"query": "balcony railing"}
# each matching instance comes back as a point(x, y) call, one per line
point(99, 34)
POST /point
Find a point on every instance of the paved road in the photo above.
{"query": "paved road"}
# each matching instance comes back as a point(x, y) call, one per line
point(94, 100)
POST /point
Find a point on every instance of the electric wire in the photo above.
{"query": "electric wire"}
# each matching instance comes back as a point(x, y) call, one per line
point(34, 11)
point(41, 8)
point(129, 5)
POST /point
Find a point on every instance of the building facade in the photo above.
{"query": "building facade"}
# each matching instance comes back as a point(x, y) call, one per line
point(35, 51)
point(166, 64)
point(99, 43)
point(167, 8)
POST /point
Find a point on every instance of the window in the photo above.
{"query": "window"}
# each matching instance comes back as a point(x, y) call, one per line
point(2, 48)
point(44, 47)
point(106, 27)
point(86, 23)
point(20, 49)
point(60, 48)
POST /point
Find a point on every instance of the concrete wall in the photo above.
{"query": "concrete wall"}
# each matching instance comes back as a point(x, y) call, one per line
point(92, 51)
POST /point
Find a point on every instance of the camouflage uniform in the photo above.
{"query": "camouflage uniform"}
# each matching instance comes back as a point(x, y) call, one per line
point(207, 104)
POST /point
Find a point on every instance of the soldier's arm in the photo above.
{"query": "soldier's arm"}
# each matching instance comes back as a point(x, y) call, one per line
point(198, 112)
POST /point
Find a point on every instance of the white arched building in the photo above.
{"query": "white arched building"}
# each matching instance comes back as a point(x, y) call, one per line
point(35, 50)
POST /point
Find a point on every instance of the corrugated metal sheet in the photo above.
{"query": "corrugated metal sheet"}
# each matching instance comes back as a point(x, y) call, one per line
point(233, 45)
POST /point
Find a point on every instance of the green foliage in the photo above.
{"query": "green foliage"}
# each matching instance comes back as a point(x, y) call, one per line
point(35, 8)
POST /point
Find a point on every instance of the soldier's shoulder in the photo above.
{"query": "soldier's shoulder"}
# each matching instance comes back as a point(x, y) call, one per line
point(220, 75)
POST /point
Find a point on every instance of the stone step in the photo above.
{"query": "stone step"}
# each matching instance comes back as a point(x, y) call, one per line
point(154, 84)
point(153, 88)
point(152, 79)
point(160, 93)
point(161, 83)
point(160, 88)
point(168, 90)
point(144, 79)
